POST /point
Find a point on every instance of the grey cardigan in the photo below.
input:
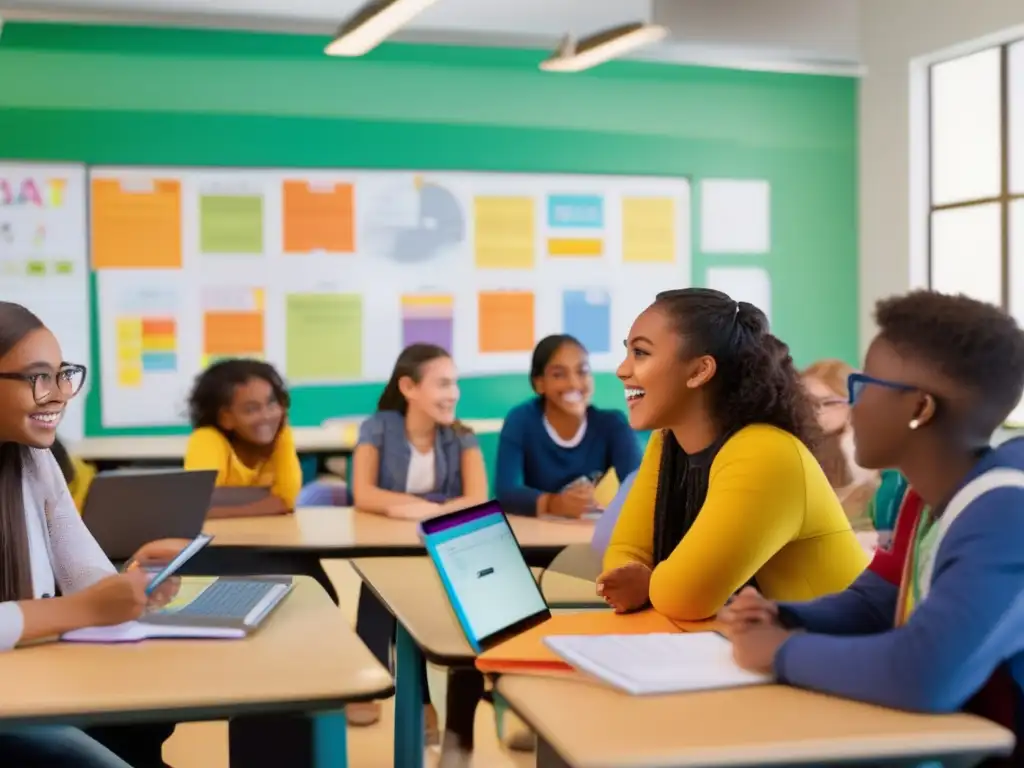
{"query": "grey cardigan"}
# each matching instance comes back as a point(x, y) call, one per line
point(385, 431)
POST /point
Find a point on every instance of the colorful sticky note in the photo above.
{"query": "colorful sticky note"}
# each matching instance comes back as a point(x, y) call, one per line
point(587, 315)
point(428, 319)
point(586, 247)
point(136, 226)
point(505, 232)
point(505, 321)
point(576, 211)
point(648, 229)
point(237, 334)
point(231, 224)
point(318, 218)
point(324, 336)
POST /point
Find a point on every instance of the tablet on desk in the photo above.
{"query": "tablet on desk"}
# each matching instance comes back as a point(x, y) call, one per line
point(175, 565)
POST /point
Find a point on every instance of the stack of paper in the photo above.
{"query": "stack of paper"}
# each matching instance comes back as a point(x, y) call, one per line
point(656, 663)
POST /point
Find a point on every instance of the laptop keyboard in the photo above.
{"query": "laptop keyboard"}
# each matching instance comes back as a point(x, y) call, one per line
point(228, 599)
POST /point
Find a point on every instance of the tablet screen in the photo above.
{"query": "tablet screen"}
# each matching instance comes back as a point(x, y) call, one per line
point(182, 557)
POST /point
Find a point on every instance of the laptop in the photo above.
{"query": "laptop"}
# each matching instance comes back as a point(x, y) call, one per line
point(487, 580)
point(127, 508)
point(225, 606)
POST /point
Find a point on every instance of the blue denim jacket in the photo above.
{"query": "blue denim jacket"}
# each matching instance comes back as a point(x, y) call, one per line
point(385, 431)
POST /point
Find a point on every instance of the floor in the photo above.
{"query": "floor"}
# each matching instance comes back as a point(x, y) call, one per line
point(204, 745)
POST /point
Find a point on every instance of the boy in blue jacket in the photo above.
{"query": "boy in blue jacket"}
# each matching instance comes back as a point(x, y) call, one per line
point(943, 373)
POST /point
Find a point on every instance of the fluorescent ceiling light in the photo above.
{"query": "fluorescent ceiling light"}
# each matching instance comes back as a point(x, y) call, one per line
point(577, 55)
point(368, 27)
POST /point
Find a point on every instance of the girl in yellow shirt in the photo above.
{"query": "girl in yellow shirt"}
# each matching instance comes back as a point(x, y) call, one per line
point(728, 492)
point(239, 411)
point(77, 473)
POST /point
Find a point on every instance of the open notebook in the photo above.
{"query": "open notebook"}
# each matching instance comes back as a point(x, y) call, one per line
point(656, 663)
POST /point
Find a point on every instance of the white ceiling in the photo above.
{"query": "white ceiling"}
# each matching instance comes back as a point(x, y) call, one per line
point(789, 35)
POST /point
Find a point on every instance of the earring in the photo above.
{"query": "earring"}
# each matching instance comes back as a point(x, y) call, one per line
point(914, 424)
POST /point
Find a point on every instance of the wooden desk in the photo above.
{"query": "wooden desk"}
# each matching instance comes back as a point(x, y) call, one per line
point(337, 437)
point(426, 626)
point(412, 591)
point(771, 725)
point(332, 532)
point(306, 658)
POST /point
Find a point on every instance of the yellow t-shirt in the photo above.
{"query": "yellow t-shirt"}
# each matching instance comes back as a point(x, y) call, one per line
point(770, 513)
point(208, 448)
point(79, 486)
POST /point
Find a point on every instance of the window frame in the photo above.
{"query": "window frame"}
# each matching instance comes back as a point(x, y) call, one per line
point(1006, 197)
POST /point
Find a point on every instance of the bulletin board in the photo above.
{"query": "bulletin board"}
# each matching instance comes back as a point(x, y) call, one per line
point(329, 274)
point(43, 263)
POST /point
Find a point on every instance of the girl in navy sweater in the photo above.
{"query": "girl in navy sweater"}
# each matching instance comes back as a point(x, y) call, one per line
point(555, 447)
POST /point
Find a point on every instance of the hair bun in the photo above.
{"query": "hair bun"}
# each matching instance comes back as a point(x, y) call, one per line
point(751, 318)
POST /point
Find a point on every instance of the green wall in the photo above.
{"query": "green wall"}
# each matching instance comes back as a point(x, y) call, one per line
point(157, 96)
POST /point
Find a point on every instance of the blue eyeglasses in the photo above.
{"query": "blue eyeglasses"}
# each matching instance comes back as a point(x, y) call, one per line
point(856, 382)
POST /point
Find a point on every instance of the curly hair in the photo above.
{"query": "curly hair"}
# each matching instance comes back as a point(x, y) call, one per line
point(755, 382)
point(977, 345)
point(215, 387)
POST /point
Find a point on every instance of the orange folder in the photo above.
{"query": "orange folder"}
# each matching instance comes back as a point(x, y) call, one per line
point(528, 654)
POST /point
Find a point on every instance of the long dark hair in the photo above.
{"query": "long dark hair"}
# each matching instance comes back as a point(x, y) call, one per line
point(755, 382)
point(411, 362)
point(214, 388)
point(16, 323)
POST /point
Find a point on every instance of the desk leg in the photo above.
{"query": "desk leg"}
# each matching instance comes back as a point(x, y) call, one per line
point(408, 701)
point(330, 745)
point(547, 757)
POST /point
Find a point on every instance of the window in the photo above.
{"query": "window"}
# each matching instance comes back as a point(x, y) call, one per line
point(976, 184)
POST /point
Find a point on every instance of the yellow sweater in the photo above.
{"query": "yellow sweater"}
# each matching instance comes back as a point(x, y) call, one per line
point(209, 449)
point(770, 513)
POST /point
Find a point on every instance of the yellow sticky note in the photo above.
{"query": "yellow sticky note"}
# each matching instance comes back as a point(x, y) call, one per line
point(258, 299)
point(129, 376)
point(129, 329)
point(505, 232)
point(648, 229)
point(606, 488)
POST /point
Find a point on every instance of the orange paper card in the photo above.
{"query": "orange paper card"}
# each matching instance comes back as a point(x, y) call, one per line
point(136, 227)
point(527, 653)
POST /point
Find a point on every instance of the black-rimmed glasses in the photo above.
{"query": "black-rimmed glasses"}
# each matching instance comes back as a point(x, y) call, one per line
point(68, 380)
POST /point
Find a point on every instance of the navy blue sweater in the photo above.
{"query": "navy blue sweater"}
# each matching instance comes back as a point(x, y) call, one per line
point(530, 463)
point(967, 631)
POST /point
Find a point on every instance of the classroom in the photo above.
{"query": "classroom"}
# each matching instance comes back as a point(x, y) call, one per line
point(311, 278)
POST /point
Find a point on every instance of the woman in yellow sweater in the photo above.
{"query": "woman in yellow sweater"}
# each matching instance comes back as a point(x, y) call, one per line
point(728, 492)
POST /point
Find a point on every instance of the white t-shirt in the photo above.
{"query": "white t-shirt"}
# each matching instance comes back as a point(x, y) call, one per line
point(422, 473)
point(61, 549)
point(560, 441)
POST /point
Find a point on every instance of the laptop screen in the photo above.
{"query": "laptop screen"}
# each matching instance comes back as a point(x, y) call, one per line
point(488, 582)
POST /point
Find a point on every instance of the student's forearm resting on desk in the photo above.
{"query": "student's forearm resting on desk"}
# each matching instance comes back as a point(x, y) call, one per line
point(753, 508)
point(271, 505)
point(867, 606)
point(971, 620)
point(28, 620)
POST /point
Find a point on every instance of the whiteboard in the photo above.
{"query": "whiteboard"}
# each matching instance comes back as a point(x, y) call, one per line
point(43, 263)
point(329, 274)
